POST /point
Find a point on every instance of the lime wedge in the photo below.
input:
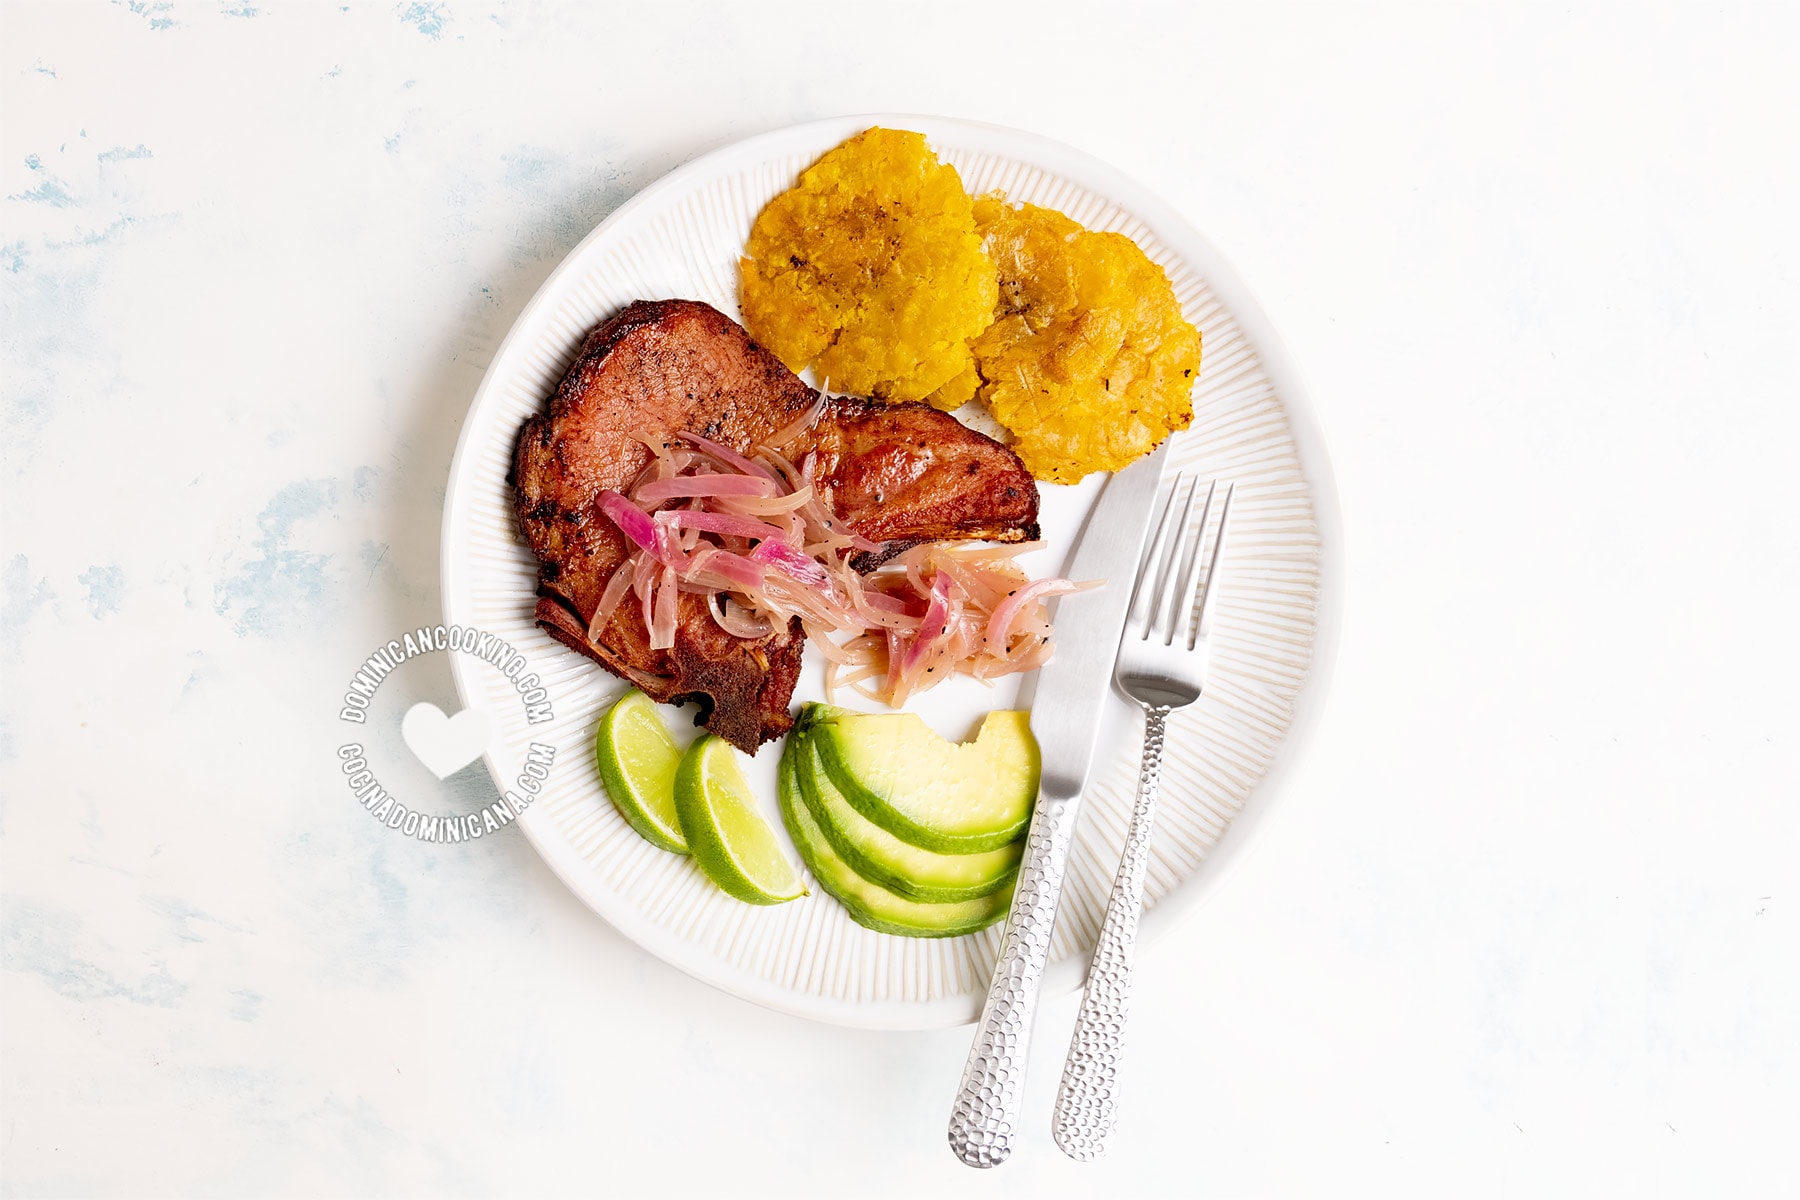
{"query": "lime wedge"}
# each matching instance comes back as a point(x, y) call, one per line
point(637, 760)
point(726, 835)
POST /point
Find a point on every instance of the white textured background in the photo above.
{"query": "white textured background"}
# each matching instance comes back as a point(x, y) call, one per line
point(1527, 924)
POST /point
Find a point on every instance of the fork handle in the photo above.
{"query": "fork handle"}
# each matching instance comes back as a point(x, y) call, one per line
point(1087, 1100)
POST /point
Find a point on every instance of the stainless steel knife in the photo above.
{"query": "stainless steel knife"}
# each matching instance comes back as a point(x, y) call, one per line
point(1065, 717)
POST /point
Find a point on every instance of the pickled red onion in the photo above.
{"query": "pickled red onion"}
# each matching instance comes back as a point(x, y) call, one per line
point(712, 522)
point(685, 486)
point(730, 457)
point(939, 610)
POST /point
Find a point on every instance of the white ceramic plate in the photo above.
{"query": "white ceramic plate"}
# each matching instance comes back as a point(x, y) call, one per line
point(1276, 615)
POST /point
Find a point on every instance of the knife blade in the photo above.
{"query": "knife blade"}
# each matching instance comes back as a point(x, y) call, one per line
point(1066, 709)
point(1072, 687)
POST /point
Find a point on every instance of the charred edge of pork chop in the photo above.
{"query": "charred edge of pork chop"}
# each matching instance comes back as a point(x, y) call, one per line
point(745, 709)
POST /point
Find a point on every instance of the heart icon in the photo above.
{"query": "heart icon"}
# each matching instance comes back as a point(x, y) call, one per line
point(445, 744)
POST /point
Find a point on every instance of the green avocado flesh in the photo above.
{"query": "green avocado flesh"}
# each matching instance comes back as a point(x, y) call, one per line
point(882, 858)
point(869, 903)
point(935, 794)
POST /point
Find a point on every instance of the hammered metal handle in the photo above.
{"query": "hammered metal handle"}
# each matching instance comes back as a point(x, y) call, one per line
point(985, 1118)
point(1087, 1102)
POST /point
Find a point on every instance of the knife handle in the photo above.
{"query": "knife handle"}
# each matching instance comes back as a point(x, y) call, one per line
point(986, 1115)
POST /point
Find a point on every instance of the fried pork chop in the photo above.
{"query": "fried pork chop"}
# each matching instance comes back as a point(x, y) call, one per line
point(899, 474)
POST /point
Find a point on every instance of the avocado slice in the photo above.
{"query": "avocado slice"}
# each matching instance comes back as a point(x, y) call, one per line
point(882, 858)
point(938, 795)
point(870, 904)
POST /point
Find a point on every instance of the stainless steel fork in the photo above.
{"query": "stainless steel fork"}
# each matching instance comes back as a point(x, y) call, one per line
point(1163, 656)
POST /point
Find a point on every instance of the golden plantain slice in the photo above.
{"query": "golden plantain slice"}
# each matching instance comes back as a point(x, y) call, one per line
point(1089, 362)
point(870, 271)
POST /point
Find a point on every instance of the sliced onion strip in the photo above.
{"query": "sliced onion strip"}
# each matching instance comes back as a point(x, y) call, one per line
point(616, 587)
point(683, 487)
point(799, 425)
point(730, 458)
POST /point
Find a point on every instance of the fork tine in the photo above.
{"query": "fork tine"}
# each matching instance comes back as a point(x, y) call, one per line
point(1143, 599)
point(1188, 580)
point(1168, 549)
point(1170, 584)
point(1203, 623)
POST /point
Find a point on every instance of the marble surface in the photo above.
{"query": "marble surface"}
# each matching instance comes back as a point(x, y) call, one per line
point(1528, 925)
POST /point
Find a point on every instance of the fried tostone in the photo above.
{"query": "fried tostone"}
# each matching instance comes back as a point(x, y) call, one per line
point(1089, 362)
point(870, 271)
